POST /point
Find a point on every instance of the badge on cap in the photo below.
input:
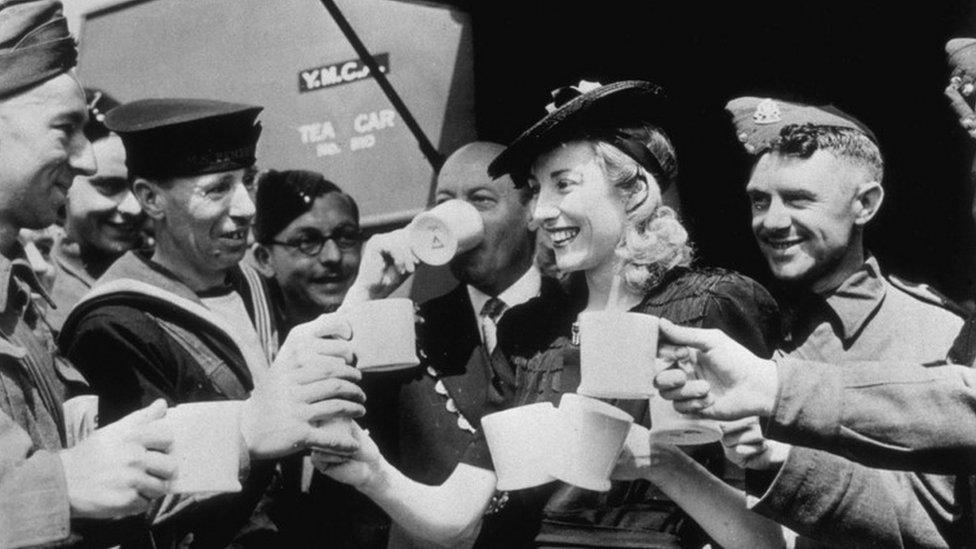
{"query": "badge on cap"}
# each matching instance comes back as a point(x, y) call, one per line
point(767, 112)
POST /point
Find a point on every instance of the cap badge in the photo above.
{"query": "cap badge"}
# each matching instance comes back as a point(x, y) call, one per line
point(767, 112)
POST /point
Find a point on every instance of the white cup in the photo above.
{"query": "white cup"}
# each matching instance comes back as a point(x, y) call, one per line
point(80, 418)
point(589, 437)
point(383, 334)
point(669, 425)
point(617, 353)
point(207, 446)
point(444, 231)
point(521, 443)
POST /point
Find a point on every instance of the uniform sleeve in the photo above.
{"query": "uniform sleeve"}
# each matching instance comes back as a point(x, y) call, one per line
point(883, 414)
point(34, 506)
point(832, 500)
point(126, 359)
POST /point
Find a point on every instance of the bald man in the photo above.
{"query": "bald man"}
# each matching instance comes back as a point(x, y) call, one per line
point(440, 409)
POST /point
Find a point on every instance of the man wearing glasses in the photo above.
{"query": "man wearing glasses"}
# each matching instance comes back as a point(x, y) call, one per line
point(309, 241)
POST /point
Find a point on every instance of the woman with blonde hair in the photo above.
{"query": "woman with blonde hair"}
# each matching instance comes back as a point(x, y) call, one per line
point(598, 162)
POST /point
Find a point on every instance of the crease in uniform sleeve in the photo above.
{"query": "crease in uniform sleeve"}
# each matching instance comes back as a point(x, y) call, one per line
point(833, 500)
point(809, 403)
point(34, 506)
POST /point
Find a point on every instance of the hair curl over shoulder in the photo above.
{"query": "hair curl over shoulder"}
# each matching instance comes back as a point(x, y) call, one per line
point(654, 239)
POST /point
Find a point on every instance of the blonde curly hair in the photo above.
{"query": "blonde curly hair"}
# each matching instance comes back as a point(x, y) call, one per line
point(654, 240)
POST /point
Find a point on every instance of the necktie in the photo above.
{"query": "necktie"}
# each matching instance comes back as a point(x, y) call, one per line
point(490, 313)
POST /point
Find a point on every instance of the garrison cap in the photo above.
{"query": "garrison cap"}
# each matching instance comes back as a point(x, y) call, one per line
point(593, 110)
point(35, 45)
point(183, 137)
point(759, 122)
point(961, 53)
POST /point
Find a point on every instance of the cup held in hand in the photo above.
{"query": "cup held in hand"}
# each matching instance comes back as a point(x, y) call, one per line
point(617, 351)
point(442, 232)
point(383, 334)
point(589, 437)
point(206, 445)
point(669, 425)
point(521, 441)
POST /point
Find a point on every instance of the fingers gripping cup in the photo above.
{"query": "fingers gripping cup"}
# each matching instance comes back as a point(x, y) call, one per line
point(383, 334)
point(521, 444)
point(206, 445)
point(617, 351)
point(442, 232)
point(589, 437)
point(671, 426)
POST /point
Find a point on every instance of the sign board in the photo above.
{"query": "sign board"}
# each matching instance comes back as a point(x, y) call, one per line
point(323, 110)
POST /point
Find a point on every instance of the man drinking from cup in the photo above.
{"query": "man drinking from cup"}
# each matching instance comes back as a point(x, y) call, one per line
point(440, 409)
point(190, 324)
point(815, 186)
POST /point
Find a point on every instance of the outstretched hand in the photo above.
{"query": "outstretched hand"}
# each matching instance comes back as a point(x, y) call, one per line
point(745, 445)
point(735, 383)
point(120, 468)
point(960, 93)
point(306, 395)
point(387, 261)
point(357, 470)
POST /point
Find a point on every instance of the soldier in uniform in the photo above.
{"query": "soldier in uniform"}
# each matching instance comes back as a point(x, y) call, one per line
point(815, 186)
point(49, 492)
point(102, 217)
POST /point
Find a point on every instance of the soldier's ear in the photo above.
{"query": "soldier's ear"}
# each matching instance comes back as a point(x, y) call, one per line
point(148, 194)
point(867, 201)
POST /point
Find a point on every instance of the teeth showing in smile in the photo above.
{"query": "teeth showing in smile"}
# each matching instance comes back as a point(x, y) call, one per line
point(782, 244)
point(236, 235)
point(563, 235)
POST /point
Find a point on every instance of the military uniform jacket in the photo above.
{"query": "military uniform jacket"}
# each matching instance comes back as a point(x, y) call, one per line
point(141, 334)
point(834, 500)
point(34, 381)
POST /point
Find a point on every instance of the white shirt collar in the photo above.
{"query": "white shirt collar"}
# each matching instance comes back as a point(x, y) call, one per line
point(524, 289)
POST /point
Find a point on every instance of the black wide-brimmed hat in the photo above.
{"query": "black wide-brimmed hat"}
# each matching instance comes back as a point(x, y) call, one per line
point(592, 110)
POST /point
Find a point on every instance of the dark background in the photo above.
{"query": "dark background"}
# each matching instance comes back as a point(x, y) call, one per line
point(880, 61)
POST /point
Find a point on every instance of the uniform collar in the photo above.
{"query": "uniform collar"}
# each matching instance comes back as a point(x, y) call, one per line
point(522, 290)
point(857, 298)
point(16, 265)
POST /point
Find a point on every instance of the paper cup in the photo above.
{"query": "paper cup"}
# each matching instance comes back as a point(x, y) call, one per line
point(669, 425)
point(589, 437)
point(206, 445)
point(521, 444)
point(383, 334)
point(446, 230)
point(617, 352)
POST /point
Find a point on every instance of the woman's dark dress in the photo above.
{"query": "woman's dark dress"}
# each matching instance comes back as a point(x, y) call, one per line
point(537, 339)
